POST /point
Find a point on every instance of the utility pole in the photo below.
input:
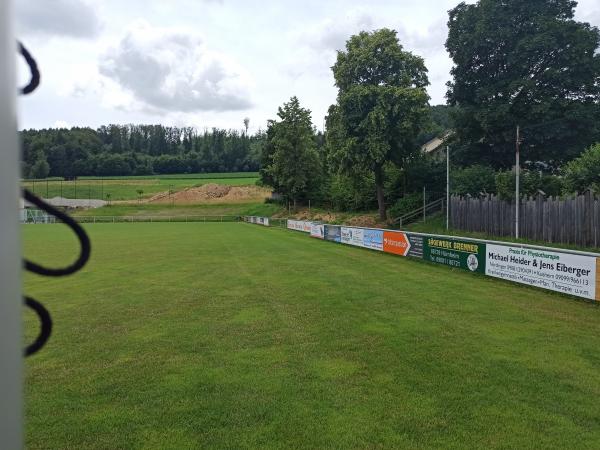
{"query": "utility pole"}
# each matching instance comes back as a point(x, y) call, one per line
point(424, 204)
point(517, 179)
point(447, 187)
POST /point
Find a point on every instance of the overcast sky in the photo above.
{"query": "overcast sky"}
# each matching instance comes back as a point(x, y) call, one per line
point(210, 63)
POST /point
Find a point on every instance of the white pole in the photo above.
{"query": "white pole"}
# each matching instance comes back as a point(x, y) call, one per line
point(517, 197)
point(424, 204)
point(447, 187)
point(11, 341)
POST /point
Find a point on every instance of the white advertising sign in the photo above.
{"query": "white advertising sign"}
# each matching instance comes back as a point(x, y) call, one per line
point(317, 231)
point(561, 272)
point(353, 236)
point(346, 236)
point(299, 225)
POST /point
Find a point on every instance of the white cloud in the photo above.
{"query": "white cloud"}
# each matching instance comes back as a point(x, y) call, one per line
point(172, 70)
point(71, 18)
point(61, 124)
point(332, 34)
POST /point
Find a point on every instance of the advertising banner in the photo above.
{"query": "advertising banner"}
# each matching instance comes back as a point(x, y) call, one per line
point(452, 252)
point(333, 233)
point(317, 231)
point(373, 239)
point(346, 235)
point(404, 244)
point(357, 237)
point(352, 236)
point(299, 225)
point(258, 220)
point(561, 272)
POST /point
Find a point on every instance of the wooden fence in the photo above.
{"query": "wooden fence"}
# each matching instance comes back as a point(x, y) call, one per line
point(566, 221)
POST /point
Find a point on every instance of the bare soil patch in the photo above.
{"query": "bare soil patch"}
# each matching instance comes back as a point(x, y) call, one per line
point(212, 193)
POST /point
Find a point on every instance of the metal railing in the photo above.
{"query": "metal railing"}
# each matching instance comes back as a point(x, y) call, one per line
point(421, 212)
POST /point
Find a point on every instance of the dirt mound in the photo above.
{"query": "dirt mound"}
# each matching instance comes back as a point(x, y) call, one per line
point(212, 193)
point(365, 221)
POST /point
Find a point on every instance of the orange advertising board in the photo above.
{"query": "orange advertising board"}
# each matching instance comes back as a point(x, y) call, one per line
point(395, 242)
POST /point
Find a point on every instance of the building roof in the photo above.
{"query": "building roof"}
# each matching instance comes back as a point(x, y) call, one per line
point(437, 142)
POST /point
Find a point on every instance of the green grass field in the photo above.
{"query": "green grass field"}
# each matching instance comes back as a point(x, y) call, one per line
point(126, 188)
point(182, 336)
point(215, 209)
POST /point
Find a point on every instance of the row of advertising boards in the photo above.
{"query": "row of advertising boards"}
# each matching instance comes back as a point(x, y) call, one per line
point(257, 220)
point(573, 273)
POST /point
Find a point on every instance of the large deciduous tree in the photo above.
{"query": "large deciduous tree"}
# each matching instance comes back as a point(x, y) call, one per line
point(381, 106)
point(524, 63)
point(290, 159)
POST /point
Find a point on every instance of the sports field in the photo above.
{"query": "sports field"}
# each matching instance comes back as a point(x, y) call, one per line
point(133, 187)
point(237, 336)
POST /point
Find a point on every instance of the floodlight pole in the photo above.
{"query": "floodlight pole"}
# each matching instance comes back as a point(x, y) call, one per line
point(11, 342)
point(447, 187)
point(517, 176)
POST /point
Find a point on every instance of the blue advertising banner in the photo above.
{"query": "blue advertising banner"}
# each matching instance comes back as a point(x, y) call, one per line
point(333, 233)
point(373, 239)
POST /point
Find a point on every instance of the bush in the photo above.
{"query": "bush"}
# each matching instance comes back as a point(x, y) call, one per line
point(352, 193)
point(406, 204)
point(530, 184)
point(584, 172)
point(473, 180)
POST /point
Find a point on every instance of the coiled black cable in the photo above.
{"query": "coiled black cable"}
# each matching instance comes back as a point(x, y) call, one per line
point(34, 82)
point(84, 241)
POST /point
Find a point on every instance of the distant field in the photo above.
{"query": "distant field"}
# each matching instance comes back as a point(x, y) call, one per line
point(126, 188)
point(240, 209)
point(182, 336)
point(211, 175)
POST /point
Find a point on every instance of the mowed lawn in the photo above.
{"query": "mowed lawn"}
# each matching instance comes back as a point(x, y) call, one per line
point(236, 336)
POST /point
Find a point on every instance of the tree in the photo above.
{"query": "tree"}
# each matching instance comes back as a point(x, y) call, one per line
point(381, 106)
point(290, 158)
point(246, 124)
point(584, 172)
point(40, 168)
point(524, 63)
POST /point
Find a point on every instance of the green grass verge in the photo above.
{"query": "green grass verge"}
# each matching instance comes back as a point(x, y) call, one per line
point(126, 188)
point(180, 336)
point(199, 176)
point(142, 209)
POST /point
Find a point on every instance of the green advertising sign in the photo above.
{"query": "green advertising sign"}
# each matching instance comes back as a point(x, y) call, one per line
point(451, 252)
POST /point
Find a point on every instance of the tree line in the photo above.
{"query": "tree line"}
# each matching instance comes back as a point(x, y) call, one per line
point(137, 150)
point(527, 65)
